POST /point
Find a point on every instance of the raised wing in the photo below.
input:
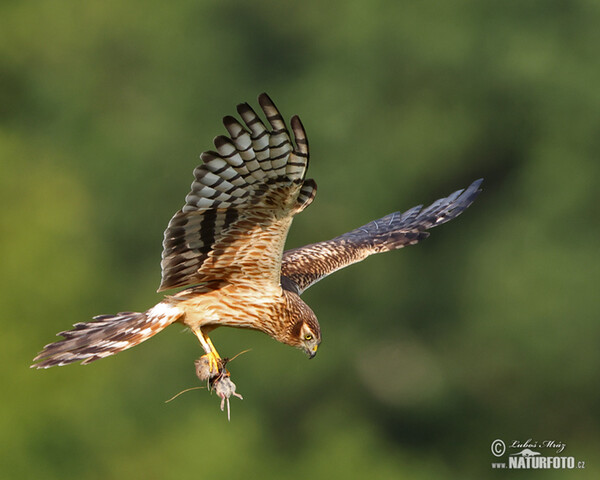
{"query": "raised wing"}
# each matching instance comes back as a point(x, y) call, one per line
point(236, 218)
point(302, 267)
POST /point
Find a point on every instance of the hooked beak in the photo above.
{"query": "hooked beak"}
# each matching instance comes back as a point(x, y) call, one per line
point(312, 352)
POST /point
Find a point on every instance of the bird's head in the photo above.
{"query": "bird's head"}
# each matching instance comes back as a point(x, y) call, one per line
point(308, 336)
point(304, 331)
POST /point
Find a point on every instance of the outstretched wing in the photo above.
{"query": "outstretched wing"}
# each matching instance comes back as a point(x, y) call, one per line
point(236, 218)
point(302, 267)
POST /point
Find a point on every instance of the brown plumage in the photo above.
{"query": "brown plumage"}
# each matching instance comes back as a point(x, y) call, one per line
point(226, 246)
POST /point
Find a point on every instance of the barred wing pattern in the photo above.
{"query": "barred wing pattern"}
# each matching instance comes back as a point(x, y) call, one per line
point(302, 267)
point(235, 220)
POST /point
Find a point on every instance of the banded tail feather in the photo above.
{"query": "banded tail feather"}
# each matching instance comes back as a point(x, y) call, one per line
point(106, 335)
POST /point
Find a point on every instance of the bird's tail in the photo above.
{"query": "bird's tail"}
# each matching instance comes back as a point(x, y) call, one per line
point(106, 335)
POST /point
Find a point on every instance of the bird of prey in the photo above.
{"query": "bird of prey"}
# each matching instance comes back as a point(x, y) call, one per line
point(226, 247)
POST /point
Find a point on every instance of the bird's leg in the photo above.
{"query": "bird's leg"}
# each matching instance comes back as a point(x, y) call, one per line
point(215, 363)
point(211, 368)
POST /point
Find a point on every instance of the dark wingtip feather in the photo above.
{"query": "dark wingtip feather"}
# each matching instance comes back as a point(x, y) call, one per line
point(473, 190)
point(468, 196)
point(272, 113)
point(244, 108)
point(299, 137)
point(264, 98)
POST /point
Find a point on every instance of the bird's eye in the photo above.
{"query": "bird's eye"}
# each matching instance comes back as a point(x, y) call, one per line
point(308, 336)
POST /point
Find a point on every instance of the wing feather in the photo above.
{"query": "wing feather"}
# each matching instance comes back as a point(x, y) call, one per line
point(307, 265)
point(241, 204)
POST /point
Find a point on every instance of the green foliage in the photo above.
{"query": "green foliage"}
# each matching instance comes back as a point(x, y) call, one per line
point(487, 330)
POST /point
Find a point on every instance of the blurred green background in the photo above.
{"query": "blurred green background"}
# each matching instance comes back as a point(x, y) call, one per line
point(487, 330)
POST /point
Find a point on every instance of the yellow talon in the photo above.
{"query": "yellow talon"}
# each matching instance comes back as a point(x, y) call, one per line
point(215, 364)
point(214, 361)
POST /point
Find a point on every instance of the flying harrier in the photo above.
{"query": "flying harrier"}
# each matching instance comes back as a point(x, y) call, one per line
point(226, 246)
